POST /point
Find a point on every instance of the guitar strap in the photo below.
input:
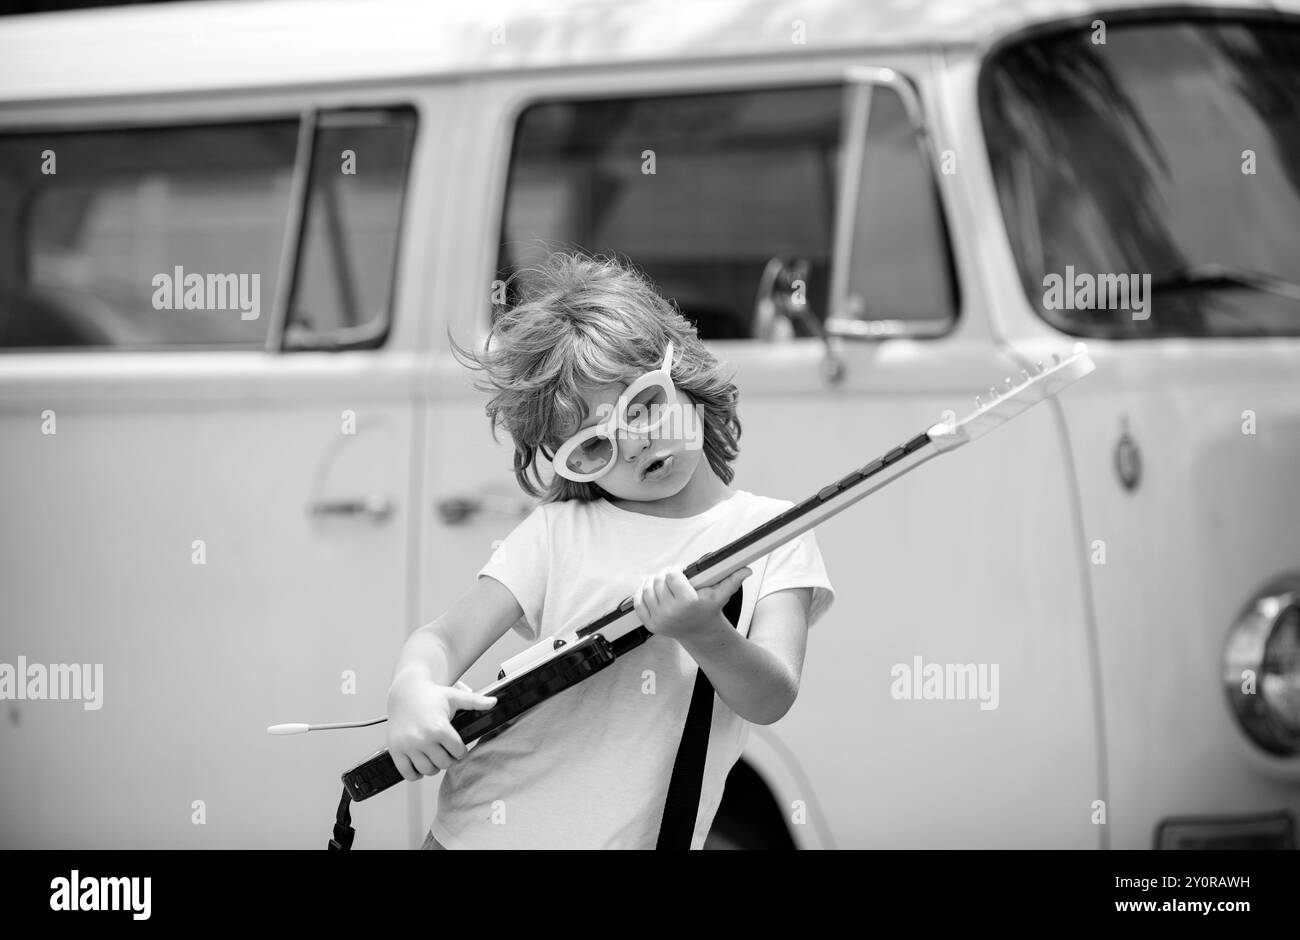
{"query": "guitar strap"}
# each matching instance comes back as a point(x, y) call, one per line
point(683, 802)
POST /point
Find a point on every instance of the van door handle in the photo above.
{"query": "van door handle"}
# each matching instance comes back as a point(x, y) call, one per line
point(374, 506)
point(461, 510)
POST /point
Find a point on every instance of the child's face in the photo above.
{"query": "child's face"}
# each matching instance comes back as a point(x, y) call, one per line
point(677, 442)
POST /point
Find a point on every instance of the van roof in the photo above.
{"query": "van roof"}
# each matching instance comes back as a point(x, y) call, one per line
point(233, 44)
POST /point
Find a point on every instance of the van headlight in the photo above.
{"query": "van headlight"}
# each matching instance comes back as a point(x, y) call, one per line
point(1261, 668)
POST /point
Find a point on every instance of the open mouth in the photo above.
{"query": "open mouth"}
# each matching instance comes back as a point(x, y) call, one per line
point(657, 469)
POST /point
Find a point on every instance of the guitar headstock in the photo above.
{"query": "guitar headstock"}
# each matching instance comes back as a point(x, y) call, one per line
point(1000, 403)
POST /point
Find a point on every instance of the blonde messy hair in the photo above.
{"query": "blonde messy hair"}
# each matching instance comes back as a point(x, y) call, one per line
point(583, 322)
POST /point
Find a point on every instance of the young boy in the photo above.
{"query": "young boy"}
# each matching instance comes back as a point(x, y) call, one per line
point(596, 372)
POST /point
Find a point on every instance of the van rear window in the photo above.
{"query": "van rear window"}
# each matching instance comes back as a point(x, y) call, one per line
point(1149, 175)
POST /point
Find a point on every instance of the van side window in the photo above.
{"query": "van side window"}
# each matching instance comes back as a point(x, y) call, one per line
point(901, 273)
point(346, 269)
point(700, 191)
point(166, 238)
point(143, 237)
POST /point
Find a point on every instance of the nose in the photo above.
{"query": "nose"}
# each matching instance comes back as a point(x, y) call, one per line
point(633, 445)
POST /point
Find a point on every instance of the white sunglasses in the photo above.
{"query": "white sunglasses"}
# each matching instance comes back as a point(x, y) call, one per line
point(592, 452)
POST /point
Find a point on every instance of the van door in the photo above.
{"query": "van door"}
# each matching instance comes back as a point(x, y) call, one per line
point(1150, 189)
point(206, 471)
point(703, 176)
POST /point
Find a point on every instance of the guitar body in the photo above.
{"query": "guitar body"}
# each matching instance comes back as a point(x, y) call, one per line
point(514, 697)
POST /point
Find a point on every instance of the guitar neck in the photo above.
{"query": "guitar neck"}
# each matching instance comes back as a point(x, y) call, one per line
point(622, 629)
point(798, 519)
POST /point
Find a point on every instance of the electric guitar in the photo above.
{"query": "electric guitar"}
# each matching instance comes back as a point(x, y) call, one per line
point(556, 663)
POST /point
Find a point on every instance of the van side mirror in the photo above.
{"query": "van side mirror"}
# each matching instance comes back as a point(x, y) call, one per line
point(782, 300)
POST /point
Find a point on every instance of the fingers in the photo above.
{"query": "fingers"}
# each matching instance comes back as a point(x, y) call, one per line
point(720, 592)
point(659, 592)
point(671, 589)
point(433, 757)
point(639, 605)
point(645, 594)
point(462, 698)
point(728, 585)
point(441, 759)
point(651, 596)
point(645, 601)
point(452, 744)
point(676, 583)
point(431, 750)
point(670, 585)
point(404, 767)
point(422, 747)
point(422, 763)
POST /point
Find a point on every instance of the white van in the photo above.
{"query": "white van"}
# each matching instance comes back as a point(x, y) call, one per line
point(238, 463)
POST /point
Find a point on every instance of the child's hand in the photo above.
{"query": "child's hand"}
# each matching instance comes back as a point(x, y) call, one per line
point(421, 739)
point(669, 606)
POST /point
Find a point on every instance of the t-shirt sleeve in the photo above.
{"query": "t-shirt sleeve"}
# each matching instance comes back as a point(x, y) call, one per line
point(796, 564)
point(522, 563)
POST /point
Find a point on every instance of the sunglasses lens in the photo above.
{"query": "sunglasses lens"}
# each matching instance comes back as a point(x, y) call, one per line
point(646, 410)
point(592, 455)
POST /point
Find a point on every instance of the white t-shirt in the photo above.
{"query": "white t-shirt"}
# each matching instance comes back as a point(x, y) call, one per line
point(589, 767)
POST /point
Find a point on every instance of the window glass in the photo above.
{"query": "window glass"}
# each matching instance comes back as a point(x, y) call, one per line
point(143, 237)
point(901, 266)
point(699, 191)
point(1150, 184)
point(156, 238)
point(353, 218)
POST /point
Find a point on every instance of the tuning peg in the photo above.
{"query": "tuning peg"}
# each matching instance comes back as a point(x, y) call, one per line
point(1056, 359)
point(979, 403)
point(1024, 376)
point(1038, 367)
point(993, 393)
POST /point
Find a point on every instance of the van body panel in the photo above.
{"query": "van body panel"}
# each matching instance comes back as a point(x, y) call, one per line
point(224, 47)
point(166, 535)
point(1172, 563)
